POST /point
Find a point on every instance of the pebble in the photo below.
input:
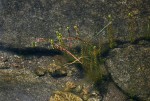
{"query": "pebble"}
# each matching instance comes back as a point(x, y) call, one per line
point(78, 89)
point(69, 73)
point(85, 97)
point(94, 93)
point(93, 99)
point(58, 73)
point(40, 71)
point(3, 66)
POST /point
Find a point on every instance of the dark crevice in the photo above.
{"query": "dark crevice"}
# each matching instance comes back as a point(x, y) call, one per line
point(40, 51)
point(29, 51)
point(119, 44)
point(102, 85)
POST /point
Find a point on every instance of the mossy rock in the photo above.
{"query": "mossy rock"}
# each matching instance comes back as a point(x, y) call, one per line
point(65, 96)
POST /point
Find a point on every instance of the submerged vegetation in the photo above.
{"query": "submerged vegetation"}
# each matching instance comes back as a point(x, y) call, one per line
point(110, 32)
point(131, 27)
point(147, 29)
point(84, 51)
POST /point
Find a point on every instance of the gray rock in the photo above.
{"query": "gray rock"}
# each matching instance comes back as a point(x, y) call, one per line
point(114, 94)
point(3, 66)
point(25, 85)
point(93, 99)
point(129, 68)
point(17, 76)
point(22, 85)
point(24, 20)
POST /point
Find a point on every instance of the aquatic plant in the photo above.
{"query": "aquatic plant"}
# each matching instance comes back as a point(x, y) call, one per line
point(131, 27)
point(69, 36)
point(90, 62)
point(110, 32)
point(147, 30)
point(59, 37)
point(59, 47)
point(34, 44)
point(89, 52)
point(77, 30)
point(88, 56)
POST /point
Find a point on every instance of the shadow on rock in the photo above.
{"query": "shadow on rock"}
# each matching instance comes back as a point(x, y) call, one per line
point(29, 51)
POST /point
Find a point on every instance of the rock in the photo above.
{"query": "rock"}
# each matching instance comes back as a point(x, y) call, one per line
point(93, 99)
point(69, 73)
point(43, 17)
point(129, 68)
point(17, 76)
point(22, 85)
point(114, 94)
point(53, 67)
point(64, 96)
point(94, 93)
point(56, 70)
point(72, 71)
point(78, 88)
point(69, 86)
point(40, 71)
point(3, 66)
point(58, 73)
point(85, 97)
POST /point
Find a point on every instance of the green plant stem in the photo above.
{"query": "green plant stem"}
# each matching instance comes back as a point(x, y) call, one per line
point(100, 31)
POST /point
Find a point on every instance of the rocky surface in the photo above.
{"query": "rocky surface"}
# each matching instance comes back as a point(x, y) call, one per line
point(34, 78)
point(114, 94)
point(29, 73)
point(129, 68)
point(26, 20)
point(19, 80)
